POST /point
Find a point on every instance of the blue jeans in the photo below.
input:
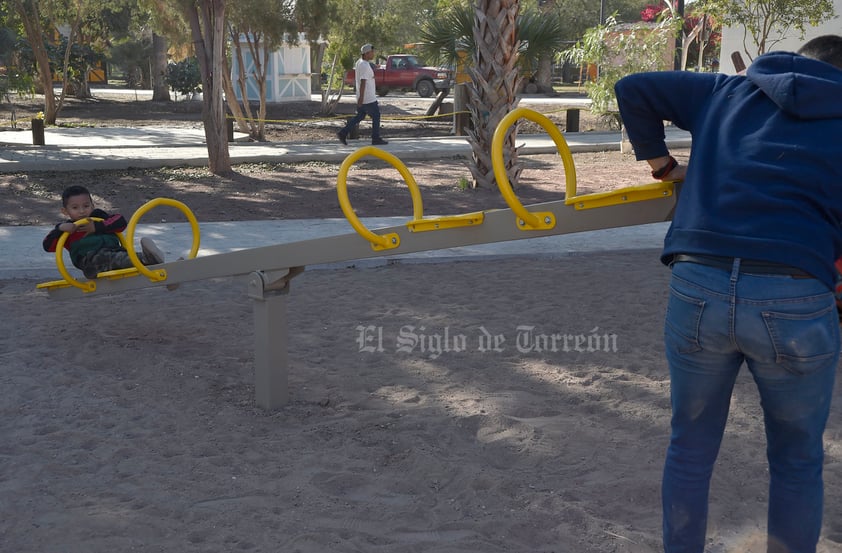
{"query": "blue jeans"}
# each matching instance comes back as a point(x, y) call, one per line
point(373, 111)
point(786, 330)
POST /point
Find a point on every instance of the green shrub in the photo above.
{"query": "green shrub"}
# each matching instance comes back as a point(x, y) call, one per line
point(620, 50)
point(184, 77)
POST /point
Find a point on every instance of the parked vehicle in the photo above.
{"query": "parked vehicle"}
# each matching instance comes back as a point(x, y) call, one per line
point(406, 72)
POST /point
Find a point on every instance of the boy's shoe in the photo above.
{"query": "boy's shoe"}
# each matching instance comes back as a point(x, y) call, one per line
point(341, 136)
point(378, 142)
point(152, 254)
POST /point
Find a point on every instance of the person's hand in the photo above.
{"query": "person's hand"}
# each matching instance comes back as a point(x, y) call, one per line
point(87, 228)
point(666, 168)
point(67, 227)
point(676, 174)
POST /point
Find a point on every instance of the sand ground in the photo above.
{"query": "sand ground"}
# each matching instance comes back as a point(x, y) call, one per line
point(430, 411)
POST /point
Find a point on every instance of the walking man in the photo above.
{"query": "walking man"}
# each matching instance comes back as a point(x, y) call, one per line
point(366, 98)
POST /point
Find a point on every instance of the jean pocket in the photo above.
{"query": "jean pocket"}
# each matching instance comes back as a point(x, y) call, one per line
point(804, 342)
point(681, 324)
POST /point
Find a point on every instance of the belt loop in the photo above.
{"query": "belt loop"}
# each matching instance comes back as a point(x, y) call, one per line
point(732, 298)
point(735, 269)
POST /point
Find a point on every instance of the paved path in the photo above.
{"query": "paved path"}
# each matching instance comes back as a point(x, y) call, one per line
point(90, 148)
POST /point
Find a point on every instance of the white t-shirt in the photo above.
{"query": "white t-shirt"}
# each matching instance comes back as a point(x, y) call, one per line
point(363, 70)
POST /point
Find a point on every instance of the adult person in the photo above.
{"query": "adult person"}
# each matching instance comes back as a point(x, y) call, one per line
point(752, 247)
point(366, 98)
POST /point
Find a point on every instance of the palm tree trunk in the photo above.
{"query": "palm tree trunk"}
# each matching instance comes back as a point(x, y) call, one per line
point(494, 86)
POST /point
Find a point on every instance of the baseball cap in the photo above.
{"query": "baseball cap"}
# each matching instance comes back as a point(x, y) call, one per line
point(366, 48)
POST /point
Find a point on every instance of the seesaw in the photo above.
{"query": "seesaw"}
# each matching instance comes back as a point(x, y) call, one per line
point(127, 241)
point(271, 268)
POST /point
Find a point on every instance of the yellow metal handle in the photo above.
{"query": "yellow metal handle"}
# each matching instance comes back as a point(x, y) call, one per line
point(88, 286)
point(160, 274)
point(643, 192)
point(530, 220)
point(378, 241)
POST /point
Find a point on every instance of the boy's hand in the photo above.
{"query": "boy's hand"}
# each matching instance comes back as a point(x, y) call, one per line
point(87, 228)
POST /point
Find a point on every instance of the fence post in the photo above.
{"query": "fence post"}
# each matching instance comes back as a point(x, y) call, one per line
point(38, 132)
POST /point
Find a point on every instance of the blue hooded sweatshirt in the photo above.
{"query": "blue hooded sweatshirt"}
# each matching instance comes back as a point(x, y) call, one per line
point(764, 180)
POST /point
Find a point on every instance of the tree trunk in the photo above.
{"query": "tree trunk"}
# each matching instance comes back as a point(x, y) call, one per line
point(329, 99)
point(231, 100)
point(317, 56)
point(83, 88)
point(160, 88)
point(245, 117)
point(259, 51)
point(493, 90)
point(207, 24)
point(31, 18)
point(80, 87)
point(260, 76)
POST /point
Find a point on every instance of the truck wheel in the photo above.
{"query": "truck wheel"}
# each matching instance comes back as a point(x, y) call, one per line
point(425, 88)
point(382, 91)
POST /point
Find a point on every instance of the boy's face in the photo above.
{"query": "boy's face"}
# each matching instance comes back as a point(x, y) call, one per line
point(78, 207)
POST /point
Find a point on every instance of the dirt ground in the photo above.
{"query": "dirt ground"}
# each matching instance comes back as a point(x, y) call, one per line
point(300, 190)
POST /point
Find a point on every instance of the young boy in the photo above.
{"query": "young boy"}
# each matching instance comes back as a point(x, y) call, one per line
point(94, 246)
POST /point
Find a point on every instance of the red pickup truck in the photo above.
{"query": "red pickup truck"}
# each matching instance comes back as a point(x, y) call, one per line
point(405, 72)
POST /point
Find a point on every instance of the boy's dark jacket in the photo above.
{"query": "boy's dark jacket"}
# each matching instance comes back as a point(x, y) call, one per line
point(764, 179)
point(78, 244)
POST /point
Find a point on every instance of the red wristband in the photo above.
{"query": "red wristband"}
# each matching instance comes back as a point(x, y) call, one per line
point(666, 169)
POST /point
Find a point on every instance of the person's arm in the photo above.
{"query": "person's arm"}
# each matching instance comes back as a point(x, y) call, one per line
point(51, 240)
point(361, 91)
point(110, 224)
point(646, 100)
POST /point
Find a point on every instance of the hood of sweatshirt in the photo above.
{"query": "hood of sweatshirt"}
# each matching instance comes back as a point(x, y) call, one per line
point(803, 87)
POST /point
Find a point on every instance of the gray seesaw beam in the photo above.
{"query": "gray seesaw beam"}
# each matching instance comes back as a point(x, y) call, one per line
point(500, 225)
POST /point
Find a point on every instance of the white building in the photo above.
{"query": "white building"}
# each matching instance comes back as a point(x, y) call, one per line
point(732, 40)
point(287, 73)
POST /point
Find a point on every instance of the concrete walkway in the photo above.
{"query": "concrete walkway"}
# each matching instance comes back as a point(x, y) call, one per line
point(91, 148)
point(78, 149)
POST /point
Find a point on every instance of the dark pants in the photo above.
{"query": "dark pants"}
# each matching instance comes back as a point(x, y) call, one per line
point(373, 111)
point(106, 259)
point(786, 331)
